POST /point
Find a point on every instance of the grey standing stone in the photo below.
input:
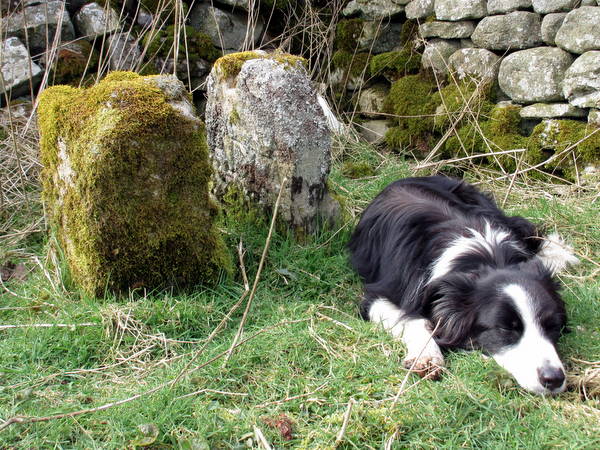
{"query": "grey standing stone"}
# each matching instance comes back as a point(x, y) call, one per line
point(550, 6)
point(454, 10)
point(93, 20)
point(419, 9)
point(265, 124)
point(379, 36)
point(550, 25)
point(515, 30)
point(534, 75)
point(15, 63)
point(580, 30)
point(37, 24)
point(447, 30)
point(123, 52)
point(436, 54)
point(506, 6)
point(551, 110)
point(226, 30)
point(374, 9)
point(371, 100)
point(475, 62)
point(581, 85)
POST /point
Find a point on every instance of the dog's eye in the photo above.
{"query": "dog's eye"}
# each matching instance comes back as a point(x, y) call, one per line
point(511, 326)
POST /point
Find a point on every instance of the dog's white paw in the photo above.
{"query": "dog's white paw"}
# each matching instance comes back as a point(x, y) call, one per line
point(556, 254)
point(426, 366)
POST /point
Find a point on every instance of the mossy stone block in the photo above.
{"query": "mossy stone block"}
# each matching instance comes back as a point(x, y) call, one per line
point(125, 184)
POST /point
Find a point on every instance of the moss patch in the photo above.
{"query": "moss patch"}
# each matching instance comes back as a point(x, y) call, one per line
point(125, 183)
point(355, 170)
point(352, 64)
point(347, 33)
point(199, 45)
point(229, 66)
point(72, 61)
point(394, 65)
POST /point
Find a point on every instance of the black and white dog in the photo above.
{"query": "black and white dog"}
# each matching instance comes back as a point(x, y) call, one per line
point(442, 266)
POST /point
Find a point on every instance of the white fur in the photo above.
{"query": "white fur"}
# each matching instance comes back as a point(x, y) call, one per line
point(533, 351)
point(414, 332)
point(487, 240)
point(556, 254)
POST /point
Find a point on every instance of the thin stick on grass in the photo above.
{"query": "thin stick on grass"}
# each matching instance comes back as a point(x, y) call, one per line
point(340, 436)
point(258, 272)
point(260, 437)
point(289, 399)
point(212, 391)
point(49, 325)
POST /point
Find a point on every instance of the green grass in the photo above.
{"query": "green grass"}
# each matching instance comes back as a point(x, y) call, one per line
point(312, 354)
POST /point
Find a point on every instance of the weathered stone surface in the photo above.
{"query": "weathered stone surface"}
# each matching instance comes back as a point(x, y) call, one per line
point(506, 6)
point(580, 31)
point(550, 6)
point(227, 30)
point(379, 36)
point(467, 43)
point(374, 9)
point(373, 131)
point(550, 25)
point(447, 30)
point(123, 52)
point(534, 75)
point(192, 73)
point(371, 100)
point(551, 110)
point(14, 67)
point(475, 62)
point(436, 54)
point(264, 124)
point(93, 20)
point(125, 184)
point(454, 10)
point(588, 3)
point(594, 117)
point(581, 85)
point(516, 30)
point(37, 25)
point(419, 9)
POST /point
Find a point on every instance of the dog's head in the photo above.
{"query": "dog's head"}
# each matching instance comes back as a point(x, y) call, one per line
point(514, 315)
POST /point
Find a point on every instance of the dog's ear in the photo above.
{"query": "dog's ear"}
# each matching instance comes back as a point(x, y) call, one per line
point(452, 311)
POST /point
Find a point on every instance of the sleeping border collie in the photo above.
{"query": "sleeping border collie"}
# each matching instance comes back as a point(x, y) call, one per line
point(443, 267)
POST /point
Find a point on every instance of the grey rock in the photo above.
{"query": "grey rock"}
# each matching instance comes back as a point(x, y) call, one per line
point(379, 36)
point(374, 9)
point(580, 31)
point(197, 70)
point(373, 131)
point(419, 9)
point(15, 63)
point(454, 10)
point(551, 110)
point(226, 30)
point(93, 20)
point(581, 85)
point(338, 78)
point(534, 75)
point(506, 6)
point(475, 62)
point(123, 52)
point(437, 53)
point(550, 6)
point(264, 125)
point(588, 3)
point(371, 100)
point(467, 43)
point(242, 4)
point(447, 30)
point(594, 117)
point(37, 24)
point(144, 18)
point(550, 25)
point(515, 30)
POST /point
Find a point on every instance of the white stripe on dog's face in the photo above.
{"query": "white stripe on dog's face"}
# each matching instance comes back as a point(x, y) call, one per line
point(533, 360)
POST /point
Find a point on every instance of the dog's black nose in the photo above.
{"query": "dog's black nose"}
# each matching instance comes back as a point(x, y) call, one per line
point(551, 377)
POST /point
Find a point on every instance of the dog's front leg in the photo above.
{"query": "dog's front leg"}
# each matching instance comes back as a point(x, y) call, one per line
point(423, 355)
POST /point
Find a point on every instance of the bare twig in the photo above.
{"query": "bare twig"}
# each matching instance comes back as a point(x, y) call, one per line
point(340, 436)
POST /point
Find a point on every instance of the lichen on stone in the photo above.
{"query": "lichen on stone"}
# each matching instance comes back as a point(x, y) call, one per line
point(229, 66)
point(134, 210)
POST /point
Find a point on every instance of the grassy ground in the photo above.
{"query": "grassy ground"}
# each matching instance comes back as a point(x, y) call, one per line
point(306, 361)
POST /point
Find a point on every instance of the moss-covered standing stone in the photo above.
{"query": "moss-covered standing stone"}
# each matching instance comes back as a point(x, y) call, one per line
point(125, 184)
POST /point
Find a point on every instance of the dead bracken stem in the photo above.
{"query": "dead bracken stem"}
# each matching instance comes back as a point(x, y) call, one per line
point(340, 436)
point(258, 272)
